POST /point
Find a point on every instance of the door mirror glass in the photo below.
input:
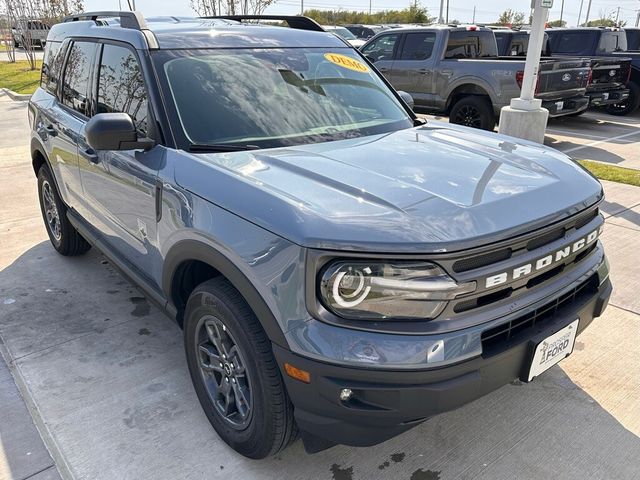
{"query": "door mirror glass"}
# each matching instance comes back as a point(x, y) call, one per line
point(407, 98)
point(114, 131)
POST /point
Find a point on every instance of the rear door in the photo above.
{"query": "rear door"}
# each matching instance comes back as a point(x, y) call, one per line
point(381, 50)
point(66, 119)
point(413, 68)
point(120, 186)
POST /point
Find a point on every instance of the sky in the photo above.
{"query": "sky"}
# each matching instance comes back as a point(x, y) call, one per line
point(461, 10)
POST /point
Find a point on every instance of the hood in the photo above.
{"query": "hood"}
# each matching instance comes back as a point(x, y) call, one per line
point(433, 188)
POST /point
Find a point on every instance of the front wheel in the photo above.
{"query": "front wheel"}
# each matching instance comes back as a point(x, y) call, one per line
point(234, 372)
point(629, 105)
point(473, 111)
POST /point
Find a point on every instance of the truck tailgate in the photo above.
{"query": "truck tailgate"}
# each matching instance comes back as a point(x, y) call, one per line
point(609, 72)
point(560, 78)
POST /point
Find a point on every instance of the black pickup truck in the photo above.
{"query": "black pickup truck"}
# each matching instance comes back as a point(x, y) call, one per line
point(609, 75)
point(598, 43)
point(633, 39)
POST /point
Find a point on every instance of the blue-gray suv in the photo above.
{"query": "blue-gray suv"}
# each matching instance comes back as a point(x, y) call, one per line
point(341, 269)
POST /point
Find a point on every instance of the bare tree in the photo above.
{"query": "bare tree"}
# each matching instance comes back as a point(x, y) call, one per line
point(6, 32)
point(26, 15)
point(207, 8)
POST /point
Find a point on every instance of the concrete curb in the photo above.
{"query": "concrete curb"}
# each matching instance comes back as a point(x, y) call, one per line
point(45, 434)
point(17, 97)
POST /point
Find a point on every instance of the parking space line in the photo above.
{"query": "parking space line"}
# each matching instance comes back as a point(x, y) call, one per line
point(593, 144)
point(569, 133)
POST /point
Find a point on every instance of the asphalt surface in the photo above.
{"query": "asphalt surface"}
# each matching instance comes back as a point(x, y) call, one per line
point(103, 376)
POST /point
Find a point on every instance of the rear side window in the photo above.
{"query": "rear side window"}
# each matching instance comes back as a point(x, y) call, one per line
point(51, 67)
point(381, 48)
point(471, 44)
point(75, 89)
point(418, 46)
point(633, 39)
point(612, 42)
point(121, 86)
point(503, 39)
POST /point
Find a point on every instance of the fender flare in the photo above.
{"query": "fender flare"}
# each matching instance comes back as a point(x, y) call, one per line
point(476, 82)
point(185, 250)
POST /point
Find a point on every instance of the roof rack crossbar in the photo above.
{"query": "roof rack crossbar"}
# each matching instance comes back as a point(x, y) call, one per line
point(294, 21)
point(128, 19)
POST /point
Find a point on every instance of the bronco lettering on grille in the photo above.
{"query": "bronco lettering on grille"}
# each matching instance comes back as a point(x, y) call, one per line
point(542, 263)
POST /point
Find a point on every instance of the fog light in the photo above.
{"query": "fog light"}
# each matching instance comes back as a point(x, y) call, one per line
point(345, 394)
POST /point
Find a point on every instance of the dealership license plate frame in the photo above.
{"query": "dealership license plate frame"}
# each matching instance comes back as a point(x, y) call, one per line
point(536, 365)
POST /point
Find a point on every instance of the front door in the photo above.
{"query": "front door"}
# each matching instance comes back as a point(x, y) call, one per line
point(412, 70)
point(381, 52)
point(120, 186)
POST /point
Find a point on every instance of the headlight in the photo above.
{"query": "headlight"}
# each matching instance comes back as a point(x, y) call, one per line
point(378, 290)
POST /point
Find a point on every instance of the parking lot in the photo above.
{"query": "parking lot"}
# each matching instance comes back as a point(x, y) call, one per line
point(103, 374)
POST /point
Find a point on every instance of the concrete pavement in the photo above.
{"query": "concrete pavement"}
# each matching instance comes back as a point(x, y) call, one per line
point(104, 376)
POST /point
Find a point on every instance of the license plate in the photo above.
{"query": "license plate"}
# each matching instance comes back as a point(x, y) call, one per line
point(559, 106)
point(553, 349)
point(605, 96)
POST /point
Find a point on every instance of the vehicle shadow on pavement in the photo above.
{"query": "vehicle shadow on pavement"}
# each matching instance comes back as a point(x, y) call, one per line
point(585, 152)
point(107, 374)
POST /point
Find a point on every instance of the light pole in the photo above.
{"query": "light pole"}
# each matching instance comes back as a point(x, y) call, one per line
point(580, 13)
point(586, 19)
point(440, 18)
point(561, 11)
point(525, 117)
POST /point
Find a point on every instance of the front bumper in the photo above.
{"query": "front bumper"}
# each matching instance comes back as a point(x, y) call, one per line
point(566, 106)
point(598, 99)
point(386, 403)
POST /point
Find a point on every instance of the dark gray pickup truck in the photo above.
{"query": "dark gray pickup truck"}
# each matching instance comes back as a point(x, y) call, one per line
point(597, 43)
point(457, 71)
point(608, 78)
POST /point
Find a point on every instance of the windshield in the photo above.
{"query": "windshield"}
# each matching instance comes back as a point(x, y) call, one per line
point(277, 97)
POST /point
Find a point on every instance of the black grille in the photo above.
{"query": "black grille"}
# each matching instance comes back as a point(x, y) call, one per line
point(497, 337)
point(485, 259)
point(482, 260)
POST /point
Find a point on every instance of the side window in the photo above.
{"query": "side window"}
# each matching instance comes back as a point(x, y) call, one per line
point(381, 48)
point(51, 67)
point(473, 44)
point(612, 42)
point(418, 46)
point(121, 86)
point(75, 88)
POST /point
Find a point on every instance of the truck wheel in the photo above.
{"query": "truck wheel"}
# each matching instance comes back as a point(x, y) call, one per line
point(234, 372)
point(629, 105)
point(64, 237)
point(473, 111)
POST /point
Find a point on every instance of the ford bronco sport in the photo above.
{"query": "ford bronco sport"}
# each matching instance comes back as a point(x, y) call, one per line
point(341, 269)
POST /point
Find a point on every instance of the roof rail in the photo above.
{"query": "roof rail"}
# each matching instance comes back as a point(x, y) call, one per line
point(294, 21)
point(128, 19)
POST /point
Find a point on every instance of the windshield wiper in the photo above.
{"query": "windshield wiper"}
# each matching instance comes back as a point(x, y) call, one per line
point(220, 147)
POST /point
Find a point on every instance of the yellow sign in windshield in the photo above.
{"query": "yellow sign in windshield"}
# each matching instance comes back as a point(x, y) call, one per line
point(346, 62)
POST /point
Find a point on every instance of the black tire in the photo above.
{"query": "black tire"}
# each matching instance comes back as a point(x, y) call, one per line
point(473, 111)
point(64, 237)
point(630, 105)
point(263, 425)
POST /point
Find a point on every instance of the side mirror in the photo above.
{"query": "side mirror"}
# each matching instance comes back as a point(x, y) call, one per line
point(407, 98)
point(114, 131)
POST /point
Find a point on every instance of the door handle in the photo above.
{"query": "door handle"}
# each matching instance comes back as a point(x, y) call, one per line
point(91, 155)
point(447, 72)
point(424, 71)
point(383, 69)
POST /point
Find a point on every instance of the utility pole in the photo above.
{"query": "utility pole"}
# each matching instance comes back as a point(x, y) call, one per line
point(580, 13)
point(301, 7)
point(561, 12)
point(617, 16)
point(447, 15)
point(474, 15)
point(638, 19)
point(586, 19)
point(440, 18)
point(369, 7)
point(133, 2)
